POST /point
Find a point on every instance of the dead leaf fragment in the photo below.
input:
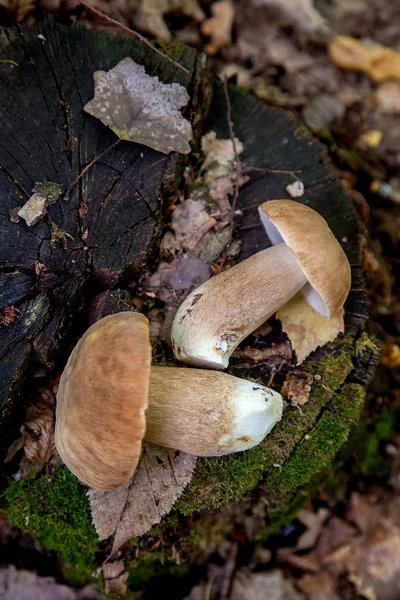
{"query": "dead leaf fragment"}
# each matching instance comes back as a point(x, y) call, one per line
point(271, 585)
point(378, 62)
point(219, 26)
point(306, 329)
point(297, 387)
point(27, 585)
point(190, 221)
point(18, 9)
point(149, 16)
point(115, 577)
point(38, 429)
point(132, 509)
point(141, 109)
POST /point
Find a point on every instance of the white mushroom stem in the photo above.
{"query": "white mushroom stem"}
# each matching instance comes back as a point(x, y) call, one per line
point(219, 314)
point(208, 413)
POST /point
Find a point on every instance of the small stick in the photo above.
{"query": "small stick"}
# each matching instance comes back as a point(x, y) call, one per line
point(81, 174)
point(140, 37)
point(273, 171)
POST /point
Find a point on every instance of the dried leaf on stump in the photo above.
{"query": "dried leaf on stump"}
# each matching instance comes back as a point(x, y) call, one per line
point(132, 509)
point(115, 577)
point(306, 329)
point(38, 429)
point(139, 108)
point(190, 221)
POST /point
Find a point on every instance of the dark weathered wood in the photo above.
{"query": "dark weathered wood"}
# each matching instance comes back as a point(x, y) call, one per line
point(113, 214)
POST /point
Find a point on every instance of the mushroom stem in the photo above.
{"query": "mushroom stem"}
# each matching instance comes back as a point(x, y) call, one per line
point(219, 314)
point(207, 413)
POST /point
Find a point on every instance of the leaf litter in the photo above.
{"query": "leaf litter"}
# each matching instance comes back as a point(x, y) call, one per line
point(139, 108)
point(132, 509)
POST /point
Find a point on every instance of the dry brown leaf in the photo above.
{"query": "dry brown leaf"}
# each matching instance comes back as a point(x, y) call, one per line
point(18, 9)
point(297, 387)
point(190, 221)
point(314, 521)
point(149, 16)
point(378, 62)
point(132, 509)
point(218, 169)
point(115, 577)
point(219, 27)
point(271, 585)
point(38, 429)
point(140, 108)
point(306, 329)
point(319, 586)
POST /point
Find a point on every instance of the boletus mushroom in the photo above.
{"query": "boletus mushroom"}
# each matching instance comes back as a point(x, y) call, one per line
point(109, 400)
point(305, 256)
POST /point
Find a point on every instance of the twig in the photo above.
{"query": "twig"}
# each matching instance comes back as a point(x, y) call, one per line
point(140, 37)
point(237, 161)
point(273, 171)
point(96, 158)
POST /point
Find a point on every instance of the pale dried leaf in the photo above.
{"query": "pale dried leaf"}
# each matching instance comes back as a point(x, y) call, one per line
point(306, 329)
point(140, 108)
point(271, 585)
point(378, 62)
point(131, 510)
point(314, 521)
point(190, 221)
point(319, 586)
point(219, 27)
point(184, 273)
point(26, 585)
point(115, 577)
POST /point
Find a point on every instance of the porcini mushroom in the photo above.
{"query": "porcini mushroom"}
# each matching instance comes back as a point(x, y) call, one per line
point(109, 400)
point(305, 256)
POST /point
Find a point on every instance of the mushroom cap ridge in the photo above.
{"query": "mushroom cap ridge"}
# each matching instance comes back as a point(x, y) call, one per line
point(316, 249)
point(101, 401)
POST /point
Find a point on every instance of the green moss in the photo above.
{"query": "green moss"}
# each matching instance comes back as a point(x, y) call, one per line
point(218, 481)
point(151, 566)
point(56, 510)
point(371, 458)
point(50, 190)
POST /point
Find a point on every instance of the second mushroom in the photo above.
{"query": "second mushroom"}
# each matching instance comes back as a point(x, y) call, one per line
point(109, 400)
point(305, 256)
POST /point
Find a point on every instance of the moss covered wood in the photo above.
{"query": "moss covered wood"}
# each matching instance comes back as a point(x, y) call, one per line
point(56, 76)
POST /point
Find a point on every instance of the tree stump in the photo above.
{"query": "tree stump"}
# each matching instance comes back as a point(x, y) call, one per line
point(113, 221)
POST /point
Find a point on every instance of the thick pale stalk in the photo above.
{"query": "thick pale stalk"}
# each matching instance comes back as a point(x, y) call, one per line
point(219, 314)
point(208, 413)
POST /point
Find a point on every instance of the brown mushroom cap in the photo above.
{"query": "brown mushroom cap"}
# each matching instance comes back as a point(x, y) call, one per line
point(316, 249)
point(101, 401)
